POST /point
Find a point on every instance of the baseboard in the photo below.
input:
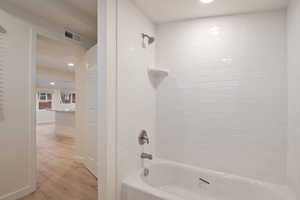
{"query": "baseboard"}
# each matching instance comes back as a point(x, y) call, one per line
point(45, 123)
point(18, 194)
point(91, 165)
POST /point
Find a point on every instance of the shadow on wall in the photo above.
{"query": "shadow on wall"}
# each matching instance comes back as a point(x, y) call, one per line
point(2, 52)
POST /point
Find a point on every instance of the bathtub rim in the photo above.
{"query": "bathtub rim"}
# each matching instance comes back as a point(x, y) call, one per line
point(136, 181)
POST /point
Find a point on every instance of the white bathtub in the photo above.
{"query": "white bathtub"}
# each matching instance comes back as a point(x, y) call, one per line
point(173, 181)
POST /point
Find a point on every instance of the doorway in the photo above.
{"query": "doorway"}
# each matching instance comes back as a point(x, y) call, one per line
point(69, 23)
point(65, 132)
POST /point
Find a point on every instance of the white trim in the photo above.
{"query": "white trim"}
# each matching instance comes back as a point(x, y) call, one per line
point(107, 98)
point(32, 114)
point(18, 194)
point(91, 165)
point(46, 123)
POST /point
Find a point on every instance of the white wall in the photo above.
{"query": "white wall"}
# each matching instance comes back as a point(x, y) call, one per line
point(16, 138)
point(53, 74)
point(81, 108)
point(91, 100)
point(86, 110)
point(136, 97)
point(224, 105)
point(293, 167)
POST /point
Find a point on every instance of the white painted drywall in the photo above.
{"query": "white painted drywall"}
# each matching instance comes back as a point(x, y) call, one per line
point(81, 108)
point(223, 107)
point(293, 166)
point(53, 74)
point(86, 109)
point(91, 100)
point(16, 167)
point(136, 97)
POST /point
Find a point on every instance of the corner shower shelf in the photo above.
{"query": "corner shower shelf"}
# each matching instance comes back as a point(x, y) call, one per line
point(157, 75)
point(156, 72)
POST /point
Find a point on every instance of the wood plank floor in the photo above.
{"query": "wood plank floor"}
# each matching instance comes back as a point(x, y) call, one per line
point(60, 177)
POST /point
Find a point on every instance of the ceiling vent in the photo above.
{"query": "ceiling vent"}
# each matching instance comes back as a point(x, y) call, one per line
point(72, 36)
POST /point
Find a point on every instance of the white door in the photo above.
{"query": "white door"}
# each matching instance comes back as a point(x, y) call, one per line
point(17, 97)
point(91, 137)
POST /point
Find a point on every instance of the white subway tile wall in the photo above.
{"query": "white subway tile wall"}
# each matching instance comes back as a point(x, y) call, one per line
point(224, 105)
point(136, 96)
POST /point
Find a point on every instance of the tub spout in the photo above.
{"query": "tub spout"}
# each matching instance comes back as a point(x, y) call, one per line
point(146, 156)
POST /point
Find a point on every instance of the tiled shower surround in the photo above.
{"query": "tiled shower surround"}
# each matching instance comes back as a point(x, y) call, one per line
point(224, 105)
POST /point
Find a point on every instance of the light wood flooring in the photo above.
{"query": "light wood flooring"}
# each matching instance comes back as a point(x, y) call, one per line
point(60, 176)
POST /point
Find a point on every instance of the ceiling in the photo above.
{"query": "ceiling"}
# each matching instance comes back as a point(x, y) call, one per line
point(59, 84)
point(81, 15)
point(57, 55)
point(76, 15)
point(88, 6)
point(163, 11)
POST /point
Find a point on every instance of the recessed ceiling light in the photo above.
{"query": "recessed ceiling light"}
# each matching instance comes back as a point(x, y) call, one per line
point(206, 1)
point(71, 64)
point(52, 83)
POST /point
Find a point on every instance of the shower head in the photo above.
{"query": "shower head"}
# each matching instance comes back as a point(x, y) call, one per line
point(150, 38)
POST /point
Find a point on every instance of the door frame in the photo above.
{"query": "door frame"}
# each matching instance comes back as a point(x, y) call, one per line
point(32, 113)
point(35, 32)
point(107, 100)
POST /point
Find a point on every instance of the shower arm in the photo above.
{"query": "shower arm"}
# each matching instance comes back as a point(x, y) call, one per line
point(150, 38)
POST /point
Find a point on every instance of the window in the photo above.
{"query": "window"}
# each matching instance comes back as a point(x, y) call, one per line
point(49, 96)
point(73, 98)
point(43, 97)
point(67, 98)
point(45, 100)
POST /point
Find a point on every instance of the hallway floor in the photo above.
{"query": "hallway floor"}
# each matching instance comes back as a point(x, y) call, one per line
point(60, 176)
